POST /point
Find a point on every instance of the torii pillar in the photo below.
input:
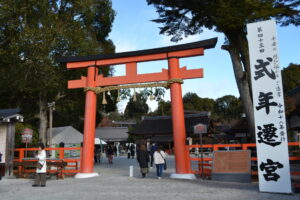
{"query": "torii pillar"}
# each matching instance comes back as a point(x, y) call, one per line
point(87, 164)
point(130, 59)
point(179, 135)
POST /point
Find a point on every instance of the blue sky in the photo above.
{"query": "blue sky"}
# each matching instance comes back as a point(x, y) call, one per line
point(132, 30)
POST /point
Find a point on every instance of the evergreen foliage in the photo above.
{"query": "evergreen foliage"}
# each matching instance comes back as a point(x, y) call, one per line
point(291, 77)
point(32, 34)
point(180, 18)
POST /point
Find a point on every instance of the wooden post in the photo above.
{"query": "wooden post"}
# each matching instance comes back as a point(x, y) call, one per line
point(179, 135)
point(21, 156)
point(89, 124)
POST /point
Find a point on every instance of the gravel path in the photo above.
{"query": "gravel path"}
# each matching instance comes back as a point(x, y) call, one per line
point(114, 183)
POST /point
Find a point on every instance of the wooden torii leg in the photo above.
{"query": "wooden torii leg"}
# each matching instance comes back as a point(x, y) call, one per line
point(179, 135)
point(87, 165)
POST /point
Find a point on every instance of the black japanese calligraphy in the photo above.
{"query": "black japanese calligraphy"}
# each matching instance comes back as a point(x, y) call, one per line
point(281, 125)
point(267, 135)
point(259, 29)
point(264, 101)
point(261, 69)
point(270, 167)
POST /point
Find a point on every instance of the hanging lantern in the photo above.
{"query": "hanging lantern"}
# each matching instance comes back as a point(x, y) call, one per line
point(108, 93)
point(104, 100)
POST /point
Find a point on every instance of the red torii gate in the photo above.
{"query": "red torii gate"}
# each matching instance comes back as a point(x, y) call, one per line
point(130, 59)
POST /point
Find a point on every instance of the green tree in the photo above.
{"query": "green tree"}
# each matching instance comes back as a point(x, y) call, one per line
point(163, 108)
point(228, 108)
point(192, 101)
point(135, 109)
point(33, 33)
point(182, 18)
point(291, 77)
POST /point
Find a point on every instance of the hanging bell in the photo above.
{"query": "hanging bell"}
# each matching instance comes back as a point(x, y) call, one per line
point(104, 100)
point(134, 96)
point(118, 98)
point(151, 97)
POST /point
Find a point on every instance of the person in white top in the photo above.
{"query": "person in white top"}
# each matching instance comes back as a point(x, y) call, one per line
point(159, 160)
point(40, 177)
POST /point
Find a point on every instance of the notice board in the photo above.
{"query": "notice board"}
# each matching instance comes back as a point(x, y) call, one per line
point(238, 161)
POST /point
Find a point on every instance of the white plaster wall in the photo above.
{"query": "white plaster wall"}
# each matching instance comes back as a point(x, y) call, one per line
point(3, 141)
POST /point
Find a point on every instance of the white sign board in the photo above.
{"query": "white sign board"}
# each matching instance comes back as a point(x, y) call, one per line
point(200, 129)
point(27, 135)
point(268, 105)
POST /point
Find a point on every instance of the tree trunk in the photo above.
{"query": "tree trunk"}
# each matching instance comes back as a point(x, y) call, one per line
point(243, 87)
point(43, 118)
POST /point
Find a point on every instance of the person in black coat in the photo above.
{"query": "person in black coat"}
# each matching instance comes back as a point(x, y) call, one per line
point(143, 159)
point(110, 153)
point(132, 150)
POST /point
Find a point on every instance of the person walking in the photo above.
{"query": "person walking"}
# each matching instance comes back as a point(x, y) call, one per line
point(97, 154)
point(40, 176)
point(143, 160)
point(128, 151)
point(110, 153)
point(152, 150)
point(159, 160)
point(132, 151)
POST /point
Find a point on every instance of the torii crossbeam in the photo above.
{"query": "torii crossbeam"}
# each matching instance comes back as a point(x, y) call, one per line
point(130, 59)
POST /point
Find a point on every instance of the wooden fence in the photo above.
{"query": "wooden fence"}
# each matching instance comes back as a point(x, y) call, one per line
point(72, 164)
point(207, 160)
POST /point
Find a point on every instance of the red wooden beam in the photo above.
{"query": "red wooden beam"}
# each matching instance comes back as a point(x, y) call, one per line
point(132, 59)
point(83, 64)
point(72, 84)
point(132, 77)
point(141, 78)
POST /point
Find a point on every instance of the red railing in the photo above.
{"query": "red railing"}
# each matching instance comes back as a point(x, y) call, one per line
point(207, 161)
point(72, 167)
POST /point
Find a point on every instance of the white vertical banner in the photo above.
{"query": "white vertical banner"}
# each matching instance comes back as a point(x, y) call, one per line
point(268, 104)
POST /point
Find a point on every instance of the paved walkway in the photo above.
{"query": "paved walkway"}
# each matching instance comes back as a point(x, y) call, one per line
point(114, 183)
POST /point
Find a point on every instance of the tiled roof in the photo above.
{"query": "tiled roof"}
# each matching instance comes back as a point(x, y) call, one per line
point(112, 134)
point(8, 112)
point(162, 125)
point(66, 134)
point(8, 115)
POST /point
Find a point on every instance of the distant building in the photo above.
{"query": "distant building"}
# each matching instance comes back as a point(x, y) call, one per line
point(159, 128)
point(238, 131)
point(107, 122)
point(113, 131)
point(66, 134)
point(8, 118)
point(112, 134)
point(292, 99)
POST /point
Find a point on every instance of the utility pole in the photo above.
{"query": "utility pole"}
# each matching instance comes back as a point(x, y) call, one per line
point(51, 107)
